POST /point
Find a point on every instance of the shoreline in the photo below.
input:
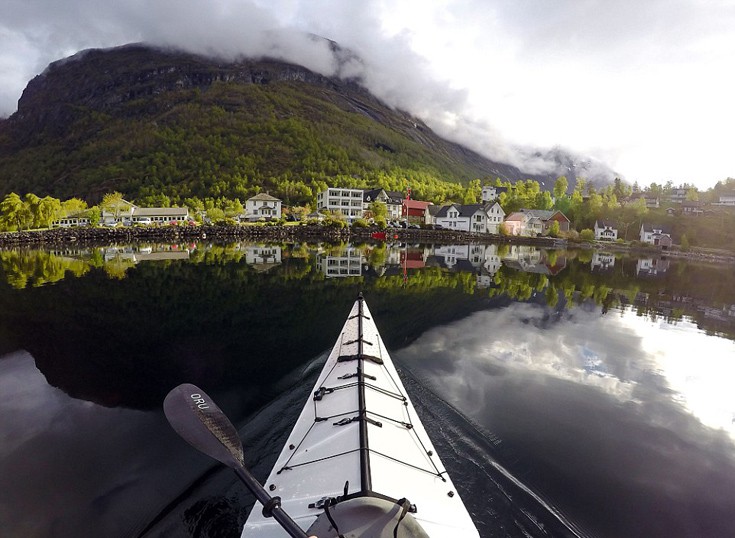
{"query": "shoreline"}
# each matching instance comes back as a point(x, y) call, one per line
point(105, 236)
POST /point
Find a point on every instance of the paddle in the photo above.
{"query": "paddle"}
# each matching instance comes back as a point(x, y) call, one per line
point(198, 420)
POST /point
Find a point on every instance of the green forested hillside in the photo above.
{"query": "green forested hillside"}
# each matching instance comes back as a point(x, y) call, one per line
point(97, 125)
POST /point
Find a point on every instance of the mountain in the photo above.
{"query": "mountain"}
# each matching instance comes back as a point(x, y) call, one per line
point(147, 121)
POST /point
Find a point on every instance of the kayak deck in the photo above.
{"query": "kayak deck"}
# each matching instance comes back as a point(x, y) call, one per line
point(357, 436)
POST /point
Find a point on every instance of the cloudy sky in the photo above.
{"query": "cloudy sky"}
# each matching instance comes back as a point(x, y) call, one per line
point(644, 86)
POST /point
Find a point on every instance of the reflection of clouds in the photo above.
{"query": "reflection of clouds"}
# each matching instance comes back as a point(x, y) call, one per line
point(626, 356)
point(604, 413)
point(73, 468)
point(575, 350)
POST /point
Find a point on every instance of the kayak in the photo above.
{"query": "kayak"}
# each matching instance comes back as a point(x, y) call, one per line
point(359, 461)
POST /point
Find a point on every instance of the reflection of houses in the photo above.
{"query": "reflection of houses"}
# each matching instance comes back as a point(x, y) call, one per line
point(655, 234)
point(393, 202)
point(347, 263)
point(532, 260)
point(262, 206)
point(143, 253)
point(605, 230)
point(491, 263)
point(263, 257)
point(651, 267)
point(602, 262)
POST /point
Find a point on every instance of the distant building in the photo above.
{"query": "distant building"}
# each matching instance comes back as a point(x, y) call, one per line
point(491, 193)
point(727, 199)
point(348, 202)
point(128, 213)
point(605, 230)
point(655, 234)
point(415, 210)
point(393, 201)
point(262, 206)
point(692, 207)
point(547, 218)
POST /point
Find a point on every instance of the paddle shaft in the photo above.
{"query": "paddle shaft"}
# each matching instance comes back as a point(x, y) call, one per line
point(271, 505)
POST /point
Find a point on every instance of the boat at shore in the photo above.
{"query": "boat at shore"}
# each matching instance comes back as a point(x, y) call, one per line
point(358, 461)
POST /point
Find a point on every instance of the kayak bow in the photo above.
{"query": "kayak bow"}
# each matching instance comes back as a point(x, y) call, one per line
point(359, 458)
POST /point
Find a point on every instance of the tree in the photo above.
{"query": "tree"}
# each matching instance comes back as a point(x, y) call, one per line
point(587, 235)
point(12, 214)
point(560, 187)
point(684, 243)
point(48, 211)
point(692, 194)
point(112, 203)
point(554, 229)
point(72, 206)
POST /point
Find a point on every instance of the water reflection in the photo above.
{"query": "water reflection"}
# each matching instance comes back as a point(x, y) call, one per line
point(615, 417)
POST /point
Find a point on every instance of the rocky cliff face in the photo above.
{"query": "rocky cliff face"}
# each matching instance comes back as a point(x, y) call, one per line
point(67, 109)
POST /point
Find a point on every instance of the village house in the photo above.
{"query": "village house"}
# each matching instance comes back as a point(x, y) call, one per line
point(652, 202)
point(727, 199)
point(128, 213)
point(393, 202)
point(76, 219)
point(655, 234)
point(547, 218)
point(468, 218)
point(495, 217)
point(517, 223)
point(491, 193)
point(262, 206)
point(347, 202)
point(692, 207)
point(415, 211)
point(605, 230)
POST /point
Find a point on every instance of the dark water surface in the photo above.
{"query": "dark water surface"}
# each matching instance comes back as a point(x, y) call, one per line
point(567, 393)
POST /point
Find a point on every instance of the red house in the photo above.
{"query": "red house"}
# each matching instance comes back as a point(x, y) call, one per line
point(414, 210)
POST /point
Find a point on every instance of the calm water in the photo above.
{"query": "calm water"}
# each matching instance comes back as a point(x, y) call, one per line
point(568, 394)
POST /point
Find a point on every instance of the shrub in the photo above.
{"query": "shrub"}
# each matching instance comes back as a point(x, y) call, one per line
point(360, 223)
point(587, 235)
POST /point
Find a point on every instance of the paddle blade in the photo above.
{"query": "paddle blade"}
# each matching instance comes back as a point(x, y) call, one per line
point(198, 420)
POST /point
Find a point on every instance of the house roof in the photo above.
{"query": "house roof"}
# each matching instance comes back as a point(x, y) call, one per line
point(606, 224)
point(464, 210)
point(648, 227)
point(497, 189)
point(544, 214)
point(434, 210)
point(161, 211)
point(394, 197)
point(265, 197)
point(517, 215)
point(416, 204)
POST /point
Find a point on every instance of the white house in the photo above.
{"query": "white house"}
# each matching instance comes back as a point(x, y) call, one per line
point(77, 219)
point(263, 257)
point(393, 201)
point(128, 213)
point(468, 218)
point(605, 230)
point(262, 206)
point(727, 199)
point(491, 193)
point(348, 202)
point(655, 234)
point(495, 217)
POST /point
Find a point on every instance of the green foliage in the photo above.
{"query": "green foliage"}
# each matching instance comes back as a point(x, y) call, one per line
point(684, 243)
point(587, 235)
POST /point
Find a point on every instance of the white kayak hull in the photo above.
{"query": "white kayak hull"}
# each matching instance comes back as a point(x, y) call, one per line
point(359, 435)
